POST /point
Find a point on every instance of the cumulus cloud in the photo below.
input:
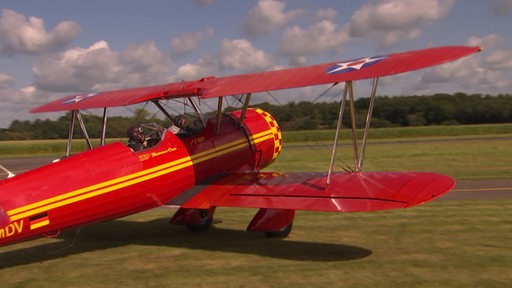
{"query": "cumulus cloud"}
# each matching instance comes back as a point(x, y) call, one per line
point(485, 73)
point(6, 81)
point(323, 14)
point(188, 42)
point(207, 66)
point(13, 101)
point(19, 34)
point(392, 21)
point(234, 56)
point(298, 43)
point(241, 55)
point(268, 15)
point(495, 58)
point(468, 73)
point(487, 41)
point(500, 59)
point(100, 68)
point(500, 7)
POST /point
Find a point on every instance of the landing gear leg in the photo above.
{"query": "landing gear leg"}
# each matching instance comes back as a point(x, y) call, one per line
point(204, 224)
point(194, 219)
point(275, 223)
point(282, 233)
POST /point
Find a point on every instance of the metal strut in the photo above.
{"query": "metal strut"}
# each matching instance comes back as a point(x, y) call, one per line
point(368, 119)
point(70, 132)
point(353, 126)
point(358, 159)
point(84, 130)
point(244, 108)
point(336, 137)
point(219, 115)
point(103, 126)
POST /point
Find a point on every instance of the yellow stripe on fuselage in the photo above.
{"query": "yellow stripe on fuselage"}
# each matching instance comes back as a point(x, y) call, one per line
point(131, 179)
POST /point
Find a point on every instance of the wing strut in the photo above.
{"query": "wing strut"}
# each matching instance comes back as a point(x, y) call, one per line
point(353, 124)
point(368, 119)
point(244, 108)
point(219, 115)
point(358, 158)
point(103, 126)
point(157, 103)
point(336, 137)
point(84, 130)
point(70, 132)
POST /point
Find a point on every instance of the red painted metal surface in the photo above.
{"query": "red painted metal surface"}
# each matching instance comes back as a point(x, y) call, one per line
point(369, 67)
point(348, 192)
point(113, 181)
point(268, 219)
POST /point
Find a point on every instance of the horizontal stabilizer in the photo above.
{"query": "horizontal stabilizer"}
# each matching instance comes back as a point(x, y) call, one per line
point(348, 192)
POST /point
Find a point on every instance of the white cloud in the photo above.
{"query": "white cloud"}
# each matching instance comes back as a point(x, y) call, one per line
point(322, 36)
point(188, 42)
point(268, 15)
point(467, 72)
point(99, 68)
point(21, 35)
point(499, 59)
point(14, 102)
point(392, 21)
point(241, 55)
point(500, 7)
point(6, 81)
point(487, 41)
point(204, 67)
point(325, 14)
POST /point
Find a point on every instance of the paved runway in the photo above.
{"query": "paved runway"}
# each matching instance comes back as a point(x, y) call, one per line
point(464, 190)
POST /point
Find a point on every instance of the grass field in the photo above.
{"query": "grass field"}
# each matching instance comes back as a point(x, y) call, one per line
point(444, 243)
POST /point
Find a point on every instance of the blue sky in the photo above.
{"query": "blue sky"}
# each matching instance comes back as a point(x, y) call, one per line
point(52, 48)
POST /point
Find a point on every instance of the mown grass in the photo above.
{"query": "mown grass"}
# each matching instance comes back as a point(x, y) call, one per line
point(32, 148)
point(402, 132)
point(463, 158)
point(444, 243)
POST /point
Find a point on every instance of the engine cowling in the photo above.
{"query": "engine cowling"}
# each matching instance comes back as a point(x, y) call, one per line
point(264, 135)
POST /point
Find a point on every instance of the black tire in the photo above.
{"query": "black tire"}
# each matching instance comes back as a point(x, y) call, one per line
point(283, 233)
point(205, 224)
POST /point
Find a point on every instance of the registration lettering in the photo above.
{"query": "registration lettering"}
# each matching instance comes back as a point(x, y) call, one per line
point(12, 229)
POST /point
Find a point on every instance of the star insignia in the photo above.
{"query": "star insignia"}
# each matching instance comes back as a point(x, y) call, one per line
point(353, 65)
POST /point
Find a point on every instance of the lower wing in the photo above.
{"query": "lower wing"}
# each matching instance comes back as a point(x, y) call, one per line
point(347, 192)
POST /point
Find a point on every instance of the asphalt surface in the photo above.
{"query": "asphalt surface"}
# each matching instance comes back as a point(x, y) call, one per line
point(464, 190)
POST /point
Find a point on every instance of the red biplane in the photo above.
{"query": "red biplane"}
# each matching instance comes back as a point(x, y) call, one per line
point(216, 165)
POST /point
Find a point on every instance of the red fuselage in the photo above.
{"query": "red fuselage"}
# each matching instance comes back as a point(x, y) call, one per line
point(113, 181)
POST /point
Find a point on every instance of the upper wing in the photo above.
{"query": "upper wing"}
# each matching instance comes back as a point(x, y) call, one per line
point(332, 72)
point(348, 192)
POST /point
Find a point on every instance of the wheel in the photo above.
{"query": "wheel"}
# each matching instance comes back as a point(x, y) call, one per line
point(283, 233)
point(206, 222)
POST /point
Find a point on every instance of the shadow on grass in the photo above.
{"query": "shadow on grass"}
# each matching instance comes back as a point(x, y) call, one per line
point(158, 232)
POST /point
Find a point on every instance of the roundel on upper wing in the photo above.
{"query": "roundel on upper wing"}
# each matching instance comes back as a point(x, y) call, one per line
point(78, 98)
point(352, 65)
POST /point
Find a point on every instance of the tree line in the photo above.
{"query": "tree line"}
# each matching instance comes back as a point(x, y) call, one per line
point(396, 111)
